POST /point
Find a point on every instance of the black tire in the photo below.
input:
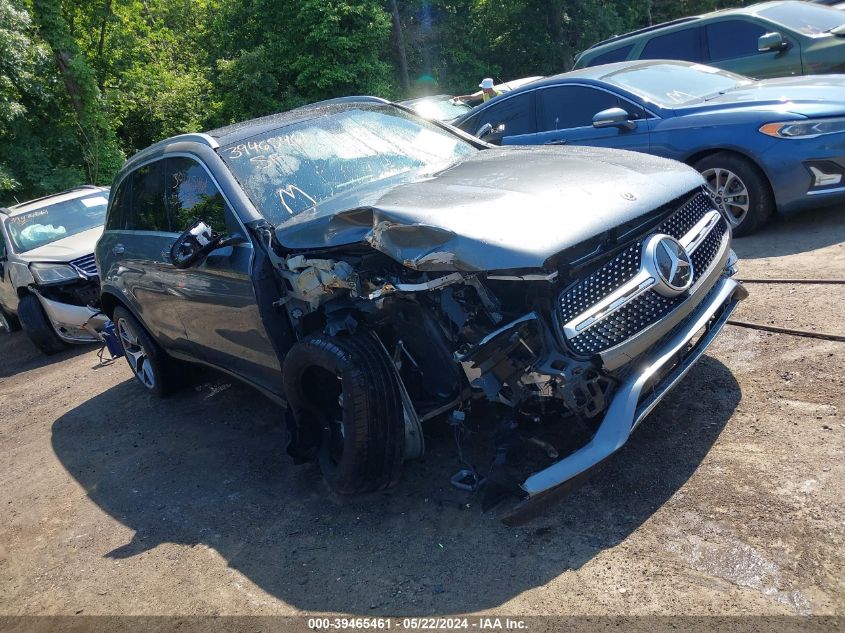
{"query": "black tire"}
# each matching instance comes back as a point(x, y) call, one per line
point(345, 399)
point(9, 322)
point(760, 200)
point(38, 327)
point(152, 367)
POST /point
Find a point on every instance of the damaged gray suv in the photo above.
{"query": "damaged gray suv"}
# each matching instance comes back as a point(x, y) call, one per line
point(375, 272)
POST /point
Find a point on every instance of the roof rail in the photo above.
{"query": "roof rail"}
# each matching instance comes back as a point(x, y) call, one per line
point(624, 36)
point(4, 211)
point(196, 137)
point(51, 195)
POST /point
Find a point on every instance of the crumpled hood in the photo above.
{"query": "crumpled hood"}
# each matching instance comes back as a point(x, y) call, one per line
point(66, 249)
point(500, 209)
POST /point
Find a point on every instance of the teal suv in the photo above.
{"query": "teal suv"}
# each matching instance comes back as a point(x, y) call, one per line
point(771, 39)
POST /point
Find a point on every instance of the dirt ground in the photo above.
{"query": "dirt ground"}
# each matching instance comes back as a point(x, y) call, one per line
point(727, 500)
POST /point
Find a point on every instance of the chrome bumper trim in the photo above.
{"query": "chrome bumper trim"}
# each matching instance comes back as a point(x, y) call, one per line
point(626, 411)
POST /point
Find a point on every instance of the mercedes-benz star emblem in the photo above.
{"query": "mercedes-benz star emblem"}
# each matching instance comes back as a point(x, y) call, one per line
point(669, 263)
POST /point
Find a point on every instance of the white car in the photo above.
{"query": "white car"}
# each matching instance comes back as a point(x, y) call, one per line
point(49, 283)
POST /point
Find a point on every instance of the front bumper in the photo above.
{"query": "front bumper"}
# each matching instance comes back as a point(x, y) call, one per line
point(658, 372)
point(72, 323)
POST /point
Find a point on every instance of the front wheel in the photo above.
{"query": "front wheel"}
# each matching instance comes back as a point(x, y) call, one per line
point(9, 323)
point(148, 362)
point(38, 327)
point(740, 190)
point(347, 407)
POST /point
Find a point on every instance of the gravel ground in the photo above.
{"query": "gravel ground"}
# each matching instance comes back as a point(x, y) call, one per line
point(727, 500)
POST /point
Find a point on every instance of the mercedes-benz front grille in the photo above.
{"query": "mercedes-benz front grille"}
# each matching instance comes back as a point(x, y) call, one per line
point(86, 264)
point(626, 295)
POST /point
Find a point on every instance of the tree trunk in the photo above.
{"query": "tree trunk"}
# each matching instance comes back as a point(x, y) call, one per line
point(101, 75)
point(399, 42)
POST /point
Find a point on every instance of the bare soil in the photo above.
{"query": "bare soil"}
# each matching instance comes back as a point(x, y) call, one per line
point(727, 500)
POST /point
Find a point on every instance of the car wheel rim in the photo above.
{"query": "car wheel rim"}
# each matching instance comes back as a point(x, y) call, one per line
point(136, 355)
point(729, 193)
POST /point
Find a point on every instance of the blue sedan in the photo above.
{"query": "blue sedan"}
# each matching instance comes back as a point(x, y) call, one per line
point(762, 146)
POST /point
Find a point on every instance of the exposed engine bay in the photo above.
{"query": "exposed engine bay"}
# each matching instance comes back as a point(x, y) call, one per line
point(486, 351)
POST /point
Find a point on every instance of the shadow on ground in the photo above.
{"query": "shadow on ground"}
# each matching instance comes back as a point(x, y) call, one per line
point(799, 233)
point(209, 466)
point(18, 354)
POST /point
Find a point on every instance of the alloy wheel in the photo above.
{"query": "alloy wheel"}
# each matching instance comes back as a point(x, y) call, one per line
point(136, 355)
point(729, 193)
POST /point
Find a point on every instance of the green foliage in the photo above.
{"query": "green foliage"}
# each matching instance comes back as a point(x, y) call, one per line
point(85, 82)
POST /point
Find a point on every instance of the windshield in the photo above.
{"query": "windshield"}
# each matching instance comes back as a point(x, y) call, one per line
point(48, 224)
point(669, 84)
point(805, 18)
point(294, 168)
point(440, 109)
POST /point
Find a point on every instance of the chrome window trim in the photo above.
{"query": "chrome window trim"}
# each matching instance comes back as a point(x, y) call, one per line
point(643, 281)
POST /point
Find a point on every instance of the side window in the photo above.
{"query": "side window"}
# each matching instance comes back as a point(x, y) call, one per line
point(564, 107)
point(147, 199)
point(616, 55)
point(684, 45)
point(3, 251)
point(731, 39)
point(119, 211)
point(192, 194)
point(511, 116)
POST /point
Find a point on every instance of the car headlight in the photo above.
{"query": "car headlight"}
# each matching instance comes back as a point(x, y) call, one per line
point(47, 274)
point(805, 128)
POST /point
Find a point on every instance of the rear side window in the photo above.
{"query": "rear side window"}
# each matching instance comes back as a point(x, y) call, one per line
point(146, 199)
point(119, 211)
point(732, 39)
point(684, 45)
point(192, 194)
point(616, 55)
point(509, 117)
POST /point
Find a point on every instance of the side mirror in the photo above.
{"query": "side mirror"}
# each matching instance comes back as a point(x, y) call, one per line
point(613, 117)
point(772, 42)
point(198, 240)
point(484, 131)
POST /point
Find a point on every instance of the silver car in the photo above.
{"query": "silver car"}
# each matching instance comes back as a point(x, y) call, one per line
point(48, 278)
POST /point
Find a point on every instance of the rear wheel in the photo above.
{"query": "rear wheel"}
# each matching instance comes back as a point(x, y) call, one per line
point(740, 190)
point(148, 362)
point(345, 398)
point(38, 327)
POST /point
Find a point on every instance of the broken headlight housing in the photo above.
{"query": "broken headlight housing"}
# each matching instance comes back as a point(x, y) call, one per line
point(49, 274)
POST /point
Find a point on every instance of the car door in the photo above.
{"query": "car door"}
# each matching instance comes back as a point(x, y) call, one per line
point(510, 117)
point(684, 44)
point(565, 115)
point(217, 299)
point(732, 45)
point(133, 254)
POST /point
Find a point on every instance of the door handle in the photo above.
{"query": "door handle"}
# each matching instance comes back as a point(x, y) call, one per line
point(560, 141)
point(118, 249)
